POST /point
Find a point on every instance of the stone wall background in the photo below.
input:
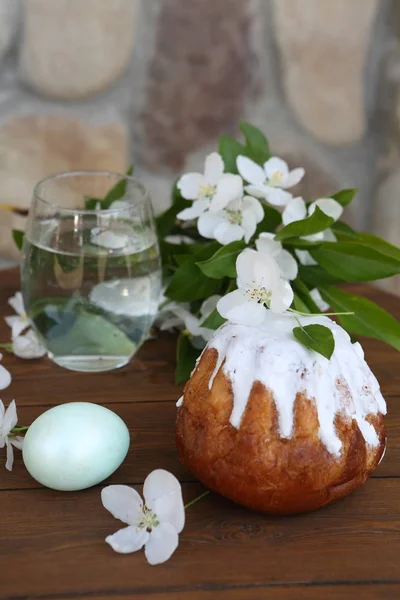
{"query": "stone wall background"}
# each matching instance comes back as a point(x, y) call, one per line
point(97, 83)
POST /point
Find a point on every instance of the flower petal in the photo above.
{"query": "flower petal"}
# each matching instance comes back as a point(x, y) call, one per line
point(123, 502)
point(17, 303)
point(276, 165)
point(213, 168)
point(193, 212)
point(250, 170)
point(296, 210)
point(5, 378)
point(305, 258)
point(294, 177)
point(10, 455)
point(189, 185)
point(17, 324)
point(278, 197)
point(128, 539)
point(228, 232)
point(17, 441)
point(208, 222)
point(329, 236)
point(266, 243)
point(239, 308)
point(163, 495)
point(162, 543)
point(229, 187)
point(255, 206)
point(287, 264)
point(108, 238)
point(28, 346)
point(256, 268)
point(249, 224)
point(10, 418)
point(329, 206)
point(258, 190)
point(319, 301)
point(281, 297)
point(208, 306)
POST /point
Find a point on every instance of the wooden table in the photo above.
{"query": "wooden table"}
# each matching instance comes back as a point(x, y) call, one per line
point(52, 543)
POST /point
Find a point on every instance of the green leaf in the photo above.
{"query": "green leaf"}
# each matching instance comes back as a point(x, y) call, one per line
point(223, 262)
point(301, 244)
point(344, 197)
point(318, 221)
point(186, 357)
point(354, 261)
point(373, 241)
point(165, 221)
point(317, 338)
point(256, 143)
point(272, 219)
point(189, 283)
point(230, 149)
point(343, 231)
point(116, 192)
point(316, 275)
point(300, 305)
point(304, 295)
point(91, 203)
point(175, 194)
point(213, 321)
point(369, 319)
point(18, 237)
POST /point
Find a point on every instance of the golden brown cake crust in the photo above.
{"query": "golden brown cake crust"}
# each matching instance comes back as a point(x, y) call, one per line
point(252, 465)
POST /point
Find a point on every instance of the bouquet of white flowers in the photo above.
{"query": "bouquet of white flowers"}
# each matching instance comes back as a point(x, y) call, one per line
point(236, 243)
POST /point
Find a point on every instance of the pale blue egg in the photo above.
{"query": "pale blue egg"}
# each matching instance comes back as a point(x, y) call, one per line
point(74, 446)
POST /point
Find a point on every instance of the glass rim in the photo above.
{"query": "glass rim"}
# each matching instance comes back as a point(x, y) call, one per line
point(65, 174)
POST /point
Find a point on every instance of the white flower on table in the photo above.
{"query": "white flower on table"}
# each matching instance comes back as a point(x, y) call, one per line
point(212, 190)
point(286, 263)
point(270, 181)
point(260, 286)
point(5, 376)
point(8, 420)
point(236, 221)
point(155, 524)
point(27, 345)
point(178, 315)
point(20, 321)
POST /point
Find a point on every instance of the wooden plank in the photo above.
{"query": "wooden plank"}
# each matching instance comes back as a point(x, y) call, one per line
point(152, 427)
point(53, 544)
point(327, 592)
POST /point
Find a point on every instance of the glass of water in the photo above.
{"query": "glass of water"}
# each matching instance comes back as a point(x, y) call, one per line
point(91, 275)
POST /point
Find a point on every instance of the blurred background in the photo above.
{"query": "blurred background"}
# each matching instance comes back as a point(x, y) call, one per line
point(97, 84)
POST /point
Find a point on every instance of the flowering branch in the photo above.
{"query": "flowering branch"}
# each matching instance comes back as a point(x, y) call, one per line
point(248, 240)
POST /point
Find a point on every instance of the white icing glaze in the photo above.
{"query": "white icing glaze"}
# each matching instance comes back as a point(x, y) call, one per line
point(179, 402)
point(270, 354)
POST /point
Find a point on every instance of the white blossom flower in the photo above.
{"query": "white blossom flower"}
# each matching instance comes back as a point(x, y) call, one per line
point(260, 286)
point(8, 420)
point(212, 190)
point(236, 221)
point(20, 321)
point(319, 301)
point(270, 181)
point(296, 210)
point(5, 376)
point(286, 263)
point(178, 315)
point(28, 346)
point(155, 524)
point(305, 258)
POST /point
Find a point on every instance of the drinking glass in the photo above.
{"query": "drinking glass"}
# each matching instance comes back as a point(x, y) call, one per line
point(91, 277)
